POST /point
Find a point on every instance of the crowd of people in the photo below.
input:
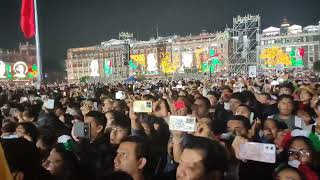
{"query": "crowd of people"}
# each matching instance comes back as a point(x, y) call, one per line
point(40, 130)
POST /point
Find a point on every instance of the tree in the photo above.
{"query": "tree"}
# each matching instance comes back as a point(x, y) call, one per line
point(274, 56)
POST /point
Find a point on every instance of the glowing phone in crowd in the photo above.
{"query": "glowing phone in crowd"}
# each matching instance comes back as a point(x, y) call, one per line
point(182, 123)
point(142, 106)
point(258, 152)
point(82, 130)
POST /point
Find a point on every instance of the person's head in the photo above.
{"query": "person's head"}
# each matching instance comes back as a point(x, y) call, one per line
point(205, 128)
point(201, 107)
point(23, 158)
point(300, 148)
point(286, 88)
point(202, 159)
point(121, 129)
point(5, 110)
point(285, 105)
point(305, 94)
point(270, 129)
point(8, 128)
point(86, 107)
point(264, 98)
point(306, 116)
point(97, 121)
point(235, 101)
point(107, 105)
point(59, 110)
point(213, 98)
point(45, 143)
point(28, 131)
point(244, 110)
point(226, 93)
point(287, 172)
point(239, 125)
point(62, 163)
point(29, 115)
point(119, 105)
point(132, 156)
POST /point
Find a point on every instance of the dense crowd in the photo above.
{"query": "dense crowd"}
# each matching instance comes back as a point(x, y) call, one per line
point(246, 128)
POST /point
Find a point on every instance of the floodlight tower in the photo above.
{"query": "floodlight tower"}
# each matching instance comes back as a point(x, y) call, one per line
point(245, 39)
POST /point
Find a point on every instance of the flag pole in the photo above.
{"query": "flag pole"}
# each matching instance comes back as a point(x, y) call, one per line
point(39, 63)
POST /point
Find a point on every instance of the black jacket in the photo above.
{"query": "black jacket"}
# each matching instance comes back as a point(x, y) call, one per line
point(97, 157)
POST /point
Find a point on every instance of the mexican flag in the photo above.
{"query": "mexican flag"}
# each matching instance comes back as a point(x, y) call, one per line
point(27, 18)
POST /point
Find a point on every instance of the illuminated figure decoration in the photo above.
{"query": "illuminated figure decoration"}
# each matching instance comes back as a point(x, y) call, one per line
point(20, 68)
point(139, 59)
point(94, 66)
point(152, 63)
point(32, 71)
point(132, 65)
point(166, 66)
point(2, 69)
point(107, 67)
point(187, 59)
point(8, 69)
point(274, 56)
point(212, 63)
point(296, 57)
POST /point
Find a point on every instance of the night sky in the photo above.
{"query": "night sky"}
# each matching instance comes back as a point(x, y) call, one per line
point(75, 23)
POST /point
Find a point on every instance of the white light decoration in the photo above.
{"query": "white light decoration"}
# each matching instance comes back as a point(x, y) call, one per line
point(94, 66)
point(152, 64)
point(20, 69)
point(2, 69)
point(187, 58)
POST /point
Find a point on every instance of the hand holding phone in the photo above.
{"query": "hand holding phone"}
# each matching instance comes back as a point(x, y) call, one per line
point(258, 152)
point(81, 130)
point(182, 123)
point(142, 106)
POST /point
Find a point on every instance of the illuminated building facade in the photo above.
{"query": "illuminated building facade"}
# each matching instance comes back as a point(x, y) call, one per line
point(18, 64)
point(300, 44)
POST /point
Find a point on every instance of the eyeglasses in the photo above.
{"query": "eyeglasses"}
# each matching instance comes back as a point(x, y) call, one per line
point(299, 153)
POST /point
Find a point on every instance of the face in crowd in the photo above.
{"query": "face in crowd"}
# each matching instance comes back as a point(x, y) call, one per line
point(285, 106)
point(299, 149)
point(86, 107)
point(130, 158)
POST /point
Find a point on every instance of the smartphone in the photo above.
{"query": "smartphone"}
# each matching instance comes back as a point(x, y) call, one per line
point(120, 95)
point(82, 130)
point(182, 123)
point(258, 152)
point(142, 106)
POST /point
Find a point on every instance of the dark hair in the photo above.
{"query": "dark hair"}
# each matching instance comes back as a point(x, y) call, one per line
point(239, 96)
point(215, 94)
point(215, 155)
point(287, 167)
point(30, 129)
point(287, 85)
point(245, 121)
point(122, 121)
point(246, 106)
point(206, 101)
point(142, 148)
point(22, 156)
point(285, 96)
point(99, 118)
point(9, 127)
point(70, 165)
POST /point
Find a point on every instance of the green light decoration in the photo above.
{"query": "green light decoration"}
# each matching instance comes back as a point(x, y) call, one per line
point(30, 75)
point(210, 68)
point(34, 67)
point(8, 69)
point(132, 65)
point(107, 67)
point(295, 60)
point(212, 52)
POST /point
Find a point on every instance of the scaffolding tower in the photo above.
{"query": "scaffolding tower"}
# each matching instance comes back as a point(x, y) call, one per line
point(245, 39)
